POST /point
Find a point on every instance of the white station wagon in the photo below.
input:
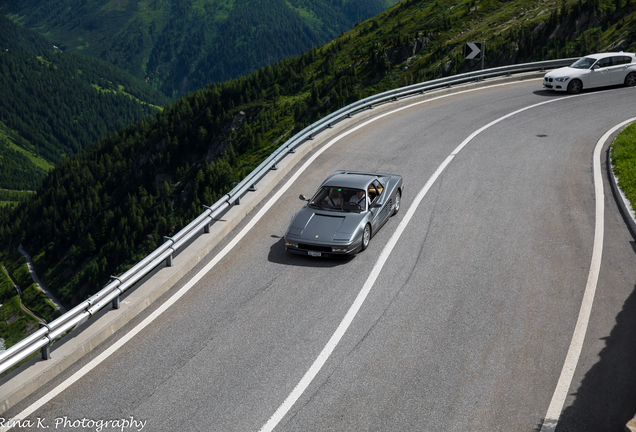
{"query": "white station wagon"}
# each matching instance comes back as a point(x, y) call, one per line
point(595, 70)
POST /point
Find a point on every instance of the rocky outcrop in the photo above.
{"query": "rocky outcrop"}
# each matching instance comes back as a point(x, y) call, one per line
point(402, 53)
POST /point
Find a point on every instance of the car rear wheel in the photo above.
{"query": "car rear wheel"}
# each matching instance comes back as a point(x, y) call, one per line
point(630, 79)
point(366, 237)
point(575, 86)
point(398, 197)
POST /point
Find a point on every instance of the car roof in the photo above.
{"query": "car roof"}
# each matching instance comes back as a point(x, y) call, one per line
point(608, 54)
point(350, 180)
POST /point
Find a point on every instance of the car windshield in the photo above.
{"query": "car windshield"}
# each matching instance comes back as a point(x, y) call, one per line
point(339, 199)
point(583, 63)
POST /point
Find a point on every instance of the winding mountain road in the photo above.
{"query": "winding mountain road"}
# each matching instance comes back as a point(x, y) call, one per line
point(466, 325)
point(41, 286)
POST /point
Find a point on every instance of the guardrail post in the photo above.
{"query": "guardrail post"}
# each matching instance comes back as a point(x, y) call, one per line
point(169, 259)
point(206, 228)
point(116, 299)
point(46, 349)
point(237, 201)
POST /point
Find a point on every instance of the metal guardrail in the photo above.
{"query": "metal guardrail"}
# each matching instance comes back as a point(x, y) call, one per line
point(44, 337)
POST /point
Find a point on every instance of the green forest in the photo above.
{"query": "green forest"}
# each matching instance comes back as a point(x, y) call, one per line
point(16, 38)
point(184, 45)
point(100, 211)
point(55, 104)
point(61, 102)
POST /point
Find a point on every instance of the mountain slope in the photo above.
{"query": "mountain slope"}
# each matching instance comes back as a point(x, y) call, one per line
point(54, 104)
point(183, 45)
point(102, 210)
point(16, 38)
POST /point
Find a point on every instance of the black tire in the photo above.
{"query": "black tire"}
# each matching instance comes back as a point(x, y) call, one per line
point(366, 237)
point(630, 79)
point(575, 86)
point(398, 199)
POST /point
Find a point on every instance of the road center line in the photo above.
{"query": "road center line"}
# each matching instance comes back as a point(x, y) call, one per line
point(384, 255)
point(574, 352)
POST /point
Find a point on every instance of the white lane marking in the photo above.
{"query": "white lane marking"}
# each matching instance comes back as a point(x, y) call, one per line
point(384, 255)
point(574, 352)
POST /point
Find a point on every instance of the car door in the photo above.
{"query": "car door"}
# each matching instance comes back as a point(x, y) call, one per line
point(600, 75)
point(620, 68)
point(380, 205)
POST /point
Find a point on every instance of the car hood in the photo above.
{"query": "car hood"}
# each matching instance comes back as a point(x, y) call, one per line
point(317, 225)
point(563, 72)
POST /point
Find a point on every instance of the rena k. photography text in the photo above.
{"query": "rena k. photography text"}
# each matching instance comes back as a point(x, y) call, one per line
point(65, 423)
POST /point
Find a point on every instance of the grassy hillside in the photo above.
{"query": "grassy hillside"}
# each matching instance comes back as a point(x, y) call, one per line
point(623, 153)
point(103, 209)
point(419, 40)
point(183, 45)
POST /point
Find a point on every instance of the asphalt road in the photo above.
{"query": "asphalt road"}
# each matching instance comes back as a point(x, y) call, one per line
point(467, 325)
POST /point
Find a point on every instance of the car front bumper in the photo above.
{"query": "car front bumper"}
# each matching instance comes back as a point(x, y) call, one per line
point(302, 247)
point(550, 83)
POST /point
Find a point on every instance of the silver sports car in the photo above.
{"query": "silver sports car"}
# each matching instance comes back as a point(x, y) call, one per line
point(345, 212)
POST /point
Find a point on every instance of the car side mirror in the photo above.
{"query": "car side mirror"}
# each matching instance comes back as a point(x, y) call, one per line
point(303, 197)
point(595, 67)
point(375, 205)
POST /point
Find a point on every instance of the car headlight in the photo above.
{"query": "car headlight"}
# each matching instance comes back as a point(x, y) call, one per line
point(291, 244)
point(340, 249)
point(562, 79)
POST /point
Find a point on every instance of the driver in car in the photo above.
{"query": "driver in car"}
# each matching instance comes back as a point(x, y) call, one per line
point(360, 199)
point(333, 199)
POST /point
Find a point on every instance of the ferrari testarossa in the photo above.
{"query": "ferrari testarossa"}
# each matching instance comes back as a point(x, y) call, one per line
point(346, 211)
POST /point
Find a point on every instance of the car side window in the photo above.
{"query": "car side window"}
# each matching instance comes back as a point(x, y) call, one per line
point(375, 190)
point(605, 62)
point(373, 193)
point(620, 60)
point(378, 186)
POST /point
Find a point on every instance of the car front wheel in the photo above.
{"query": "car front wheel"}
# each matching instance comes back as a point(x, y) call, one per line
point(366, 237)
point(575, 86)
point(630, 79)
